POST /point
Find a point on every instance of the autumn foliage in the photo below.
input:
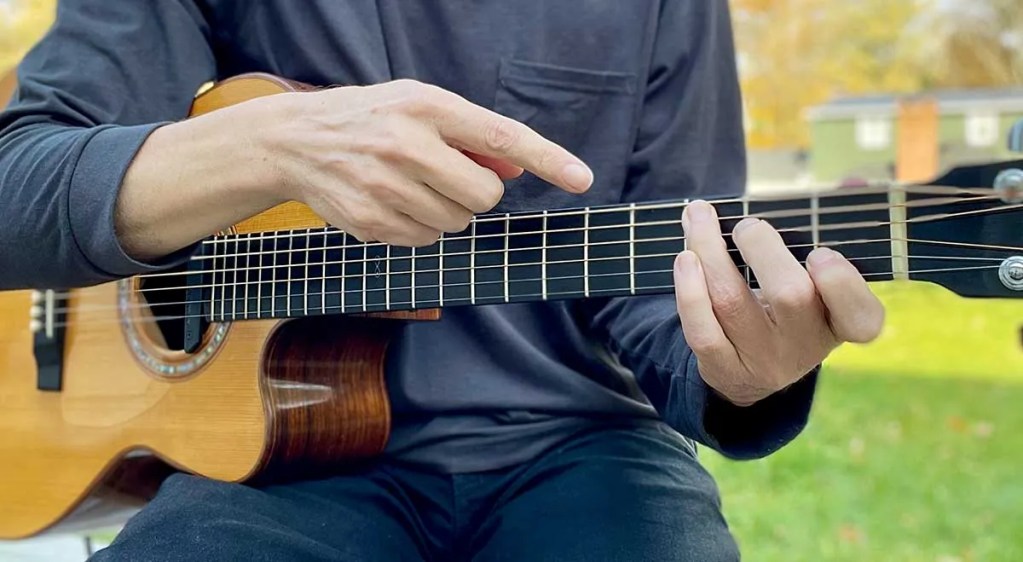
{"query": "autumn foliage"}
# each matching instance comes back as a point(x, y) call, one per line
point(797, 53)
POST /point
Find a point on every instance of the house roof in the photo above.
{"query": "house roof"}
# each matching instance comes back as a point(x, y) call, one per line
point(1003, 100)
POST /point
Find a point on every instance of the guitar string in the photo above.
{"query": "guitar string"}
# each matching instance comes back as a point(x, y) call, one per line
point(980, 195)
point(362, 275)
point(368, 260)
point(409, 305)
point(833, 227)
point(247, 239)
point(361, 272)
point(322, 293)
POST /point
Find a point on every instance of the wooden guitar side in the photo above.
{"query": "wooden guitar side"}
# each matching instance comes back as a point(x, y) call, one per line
point(278, 400)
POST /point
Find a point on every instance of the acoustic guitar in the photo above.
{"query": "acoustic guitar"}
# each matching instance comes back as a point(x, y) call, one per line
point(262, 358)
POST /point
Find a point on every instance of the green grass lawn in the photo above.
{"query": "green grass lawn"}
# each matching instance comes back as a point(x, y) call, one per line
point(914, 449)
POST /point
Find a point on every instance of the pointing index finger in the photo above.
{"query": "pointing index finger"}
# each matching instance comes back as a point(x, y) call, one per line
point(487, 133)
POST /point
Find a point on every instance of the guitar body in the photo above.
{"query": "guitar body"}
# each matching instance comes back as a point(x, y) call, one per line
point(271, 399)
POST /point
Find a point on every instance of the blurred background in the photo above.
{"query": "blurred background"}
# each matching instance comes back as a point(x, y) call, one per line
point(915, 446)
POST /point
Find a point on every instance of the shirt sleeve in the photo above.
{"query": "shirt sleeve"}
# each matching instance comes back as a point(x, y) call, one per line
point(89, 93)
point(691, 144)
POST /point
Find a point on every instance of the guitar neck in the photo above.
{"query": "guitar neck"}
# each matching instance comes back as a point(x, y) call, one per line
point(612, 251)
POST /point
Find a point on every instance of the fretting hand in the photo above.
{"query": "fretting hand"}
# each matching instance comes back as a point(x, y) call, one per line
point(750, 345)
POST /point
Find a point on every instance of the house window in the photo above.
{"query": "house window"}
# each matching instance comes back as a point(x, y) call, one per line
point(981, 129)
point(873, 133)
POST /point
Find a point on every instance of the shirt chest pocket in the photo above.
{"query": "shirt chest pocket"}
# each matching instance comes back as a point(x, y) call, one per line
point(591, 113)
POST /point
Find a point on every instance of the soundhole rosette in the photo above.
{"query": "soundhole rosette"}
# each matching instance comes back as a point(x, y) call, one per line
point(149, 346)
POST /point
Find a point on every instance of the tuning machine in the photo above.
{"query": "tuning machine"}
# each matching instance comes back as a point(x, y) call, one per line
point(1011, 273)
point(1009, 185)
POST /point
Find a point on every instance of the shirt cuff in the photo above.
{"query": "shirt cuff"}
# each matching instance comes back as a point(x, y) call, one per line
point(746, 433)
point(92, 197)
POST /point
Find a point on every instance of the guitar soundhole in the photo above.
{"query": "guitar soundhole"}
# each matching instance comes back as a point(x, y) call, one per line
point(166, 303)
point(153, 315)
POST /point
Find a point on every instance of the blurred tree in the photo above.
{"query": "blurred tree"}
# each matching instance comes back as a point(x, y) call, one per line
point(798, 53)
point(22, 23)
point(975, 43)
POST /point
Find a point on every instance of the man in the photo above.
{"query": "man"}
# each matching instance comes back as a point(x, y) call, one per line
point(522, 432)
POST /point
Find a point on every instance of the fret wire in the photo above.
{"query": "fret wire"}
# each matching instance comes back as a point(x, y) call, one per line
point(344, 269)
point(815, 219)
point(291, 245)
point(259, 286)
point(234, 285)
point(440, 269)
point(586, 253)
point(745, 213)
point(507, 238)
point(365, 274)
point(472, 264)
point(776, 214)
point(213, 288)
point(413, 269)
point(323, 271)
point(543, 258)
point(632, 248)
point(308, 258)
point(245, 285)
point(273, 282)
point(685, 239)
point(387, 279)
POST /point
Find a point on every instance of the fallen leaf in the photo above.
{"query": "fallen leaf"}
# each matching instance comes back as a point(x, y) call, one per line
point(851, 534)
point(957, 424)
point(983, 429)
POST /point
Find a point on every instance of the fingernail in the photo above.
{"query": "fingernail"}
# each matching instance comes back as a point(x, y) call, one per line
point(822, 256)
point(697, 210)
point(577, 177)
point(685, 260)
point(701, 210)
point(744, 224)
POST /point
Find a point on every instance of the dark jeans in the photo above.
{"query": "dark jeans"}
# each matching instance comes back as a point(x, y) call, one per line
point(614, 494)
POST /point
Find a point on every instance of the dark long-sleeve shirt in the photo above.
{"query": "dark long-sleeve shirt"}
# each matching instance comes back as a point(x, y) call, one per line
point(645, 91)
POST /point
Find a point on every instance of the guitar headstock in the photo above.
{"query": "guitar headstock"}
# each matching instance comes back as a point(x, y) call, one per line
point(965, 230)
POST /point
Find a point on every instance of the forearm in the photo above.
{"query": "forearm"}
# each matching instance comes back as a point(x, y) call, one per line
point(196, 177)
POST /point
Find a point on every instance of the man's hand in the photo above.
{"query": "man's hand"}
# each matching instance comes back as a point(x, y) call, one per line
point(398, 162)
point(750, 345)
point(402, 162)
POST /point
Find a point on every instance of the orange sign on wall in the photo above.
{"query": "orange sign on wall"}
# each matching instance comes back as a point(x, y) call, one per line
point(917, 157)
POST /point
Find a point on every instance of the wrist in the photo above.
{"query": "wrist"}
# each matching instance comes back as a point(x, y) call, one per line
point(265, 148)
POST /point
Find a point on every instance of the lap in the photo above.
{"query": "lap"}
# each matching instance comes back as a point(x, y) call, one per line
point(614, 495)
point(610, 494)
point(362, 518)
